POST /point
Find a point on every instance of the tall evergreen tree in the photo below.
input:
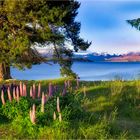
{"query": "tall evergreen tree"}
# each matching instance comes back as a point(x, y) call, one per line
point(27, 23)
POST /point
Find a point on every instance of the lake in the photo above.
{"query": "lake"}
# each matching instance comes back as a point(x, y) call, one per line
point(89, 71)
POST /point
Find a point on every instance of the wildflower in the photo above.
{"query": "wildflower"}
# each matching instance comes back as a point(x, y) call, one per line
point(9, 94)
point(2, 97)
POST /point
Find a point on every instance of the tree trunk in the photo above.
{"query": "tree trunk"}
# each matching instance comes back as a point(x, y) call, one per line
point(4, 71)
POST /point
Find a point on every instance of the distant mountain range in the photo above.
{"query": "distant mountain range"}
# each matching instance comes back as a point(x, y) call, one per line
point(101, 57)
point(129, 57)
point(94, 56)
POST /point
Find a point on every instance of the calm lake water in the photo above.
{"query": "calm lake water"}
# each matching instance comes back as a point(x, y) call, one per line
point(89, 71)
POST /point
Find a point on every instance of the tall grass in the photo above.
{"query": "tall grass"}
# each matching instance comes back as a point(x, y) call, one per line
point(138, 86)
point(116, 87)
point(84, 110)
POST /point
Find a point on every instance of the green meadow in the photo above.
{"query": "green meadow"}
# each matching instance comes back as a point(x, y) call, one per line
point(94, 110)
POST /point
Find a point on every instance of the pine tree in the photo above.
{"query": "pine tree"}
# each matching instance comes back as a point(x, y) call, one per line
point(135, 23)
point(27, 23)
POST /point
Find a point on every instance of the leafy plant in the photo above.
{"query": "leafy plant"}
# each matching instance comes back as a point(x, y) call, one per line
point(13, 109)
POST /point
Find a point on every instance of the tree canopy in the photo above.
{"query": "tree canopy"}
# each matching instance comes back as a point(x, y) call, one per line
point(135, 23)
point(25, 23)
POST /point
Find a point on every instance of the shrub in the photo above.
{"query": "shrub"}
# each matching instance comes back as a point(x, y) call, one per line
point(14, 109)
point(24, 128)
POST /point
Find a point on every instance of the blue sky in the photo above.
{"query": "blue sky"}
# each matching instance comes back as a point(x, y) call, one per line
point(104, 23)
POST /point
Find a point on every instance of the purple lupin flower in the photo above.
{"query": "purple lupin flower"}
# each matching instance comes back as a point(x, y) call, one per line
point(58, 109)
point(17, 93)
point(11, 87)
point(34, 91)
point(9, 94)
point(14, 93)
point(58, 105)
point(42, 102)
point(64, 91)
point(50, 90)
point(60, 117)
point(46, 98)
point(24, 90)
point(54, 115)
point(2, 97)
point(39, 90)
point(21, 88)
point(31, 91)
point(4, 88)
point(32, 114)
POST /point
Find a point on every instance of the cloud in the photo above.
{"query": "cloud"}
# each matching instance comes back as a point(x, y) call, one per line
point(104, 23)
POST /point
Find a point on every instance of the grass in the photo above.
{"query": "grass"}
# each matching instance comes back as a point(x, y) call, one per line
point(107, 110)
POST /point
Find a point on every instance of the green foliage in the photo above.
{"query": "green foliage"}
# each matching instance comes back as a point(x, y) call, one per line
point(100, 130)
point(13, 109)
point(18, 114)
point(138, 87)
point(99, 115)
point(24, 127)
point(70, 108)
point(135, 23)
point(116, 87)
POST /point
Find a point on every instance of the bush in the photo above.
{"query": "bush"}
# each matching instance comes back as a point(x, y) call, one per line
point(24, 127)
point(13, 109)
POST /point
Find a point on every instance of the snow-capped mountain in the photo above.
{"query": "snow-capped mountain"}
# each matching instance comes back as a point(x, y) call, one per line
point(93, 56)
